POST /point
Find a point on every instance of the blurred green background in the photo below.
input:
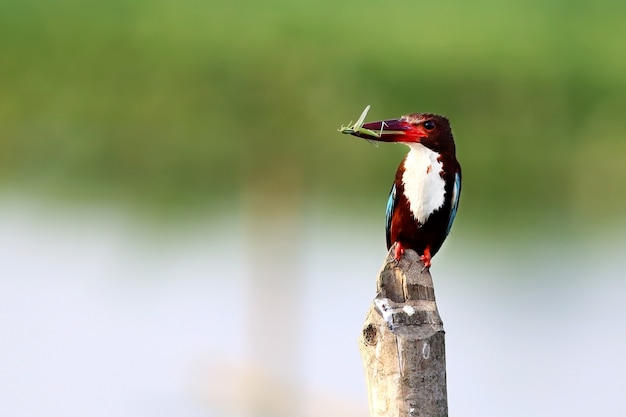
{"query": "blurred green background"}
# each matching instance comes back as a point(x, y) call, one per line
point(217, 221)
point(180, 107)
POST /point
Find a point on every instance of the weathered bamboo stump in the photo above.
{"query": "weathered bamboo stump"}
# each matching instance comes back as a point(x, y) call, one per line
point(403, 344)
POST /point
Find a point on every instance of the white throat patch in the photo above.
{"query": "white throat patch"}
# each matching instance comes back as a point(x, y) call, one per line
point(423, 185)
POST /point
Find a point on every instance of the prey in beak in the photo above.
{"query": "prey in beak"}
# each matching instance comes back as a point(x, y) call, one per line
point(404, 129)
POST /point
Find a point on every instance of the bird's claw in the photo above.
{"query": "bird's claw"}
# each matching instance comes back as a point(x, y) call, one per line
point(425, 258)
point(398, 252)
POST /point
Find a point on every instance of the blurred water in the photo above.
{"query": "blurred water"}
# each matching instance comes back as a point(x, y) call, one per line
point(102, 317)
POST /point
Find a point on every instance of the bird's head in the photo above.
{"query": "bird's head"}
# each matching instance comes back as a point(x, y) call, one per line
point(431, 130)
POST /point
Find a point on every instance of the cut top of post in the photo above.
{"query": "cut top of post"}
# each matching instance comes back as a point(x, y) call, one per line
point(405, 292)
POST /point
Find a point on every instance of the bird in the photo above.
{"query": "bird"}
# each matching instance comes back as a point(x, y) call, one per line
point(424, 197)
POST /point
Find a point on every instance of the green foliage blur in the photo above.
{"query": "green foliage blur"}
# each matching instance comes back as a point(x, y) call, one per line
point(190, 103)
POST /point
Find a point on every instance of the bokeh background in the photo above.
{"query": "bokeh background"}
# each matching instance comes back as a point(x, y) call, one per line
point(184, 233)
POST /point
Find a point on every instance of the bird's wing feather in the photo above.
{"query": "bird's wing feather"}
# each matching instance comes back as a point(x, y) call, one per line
point(456, 193)
point(391, 206)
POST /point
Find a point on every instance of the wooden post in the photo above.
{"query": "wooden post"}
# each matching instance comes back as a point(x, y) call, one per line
point(402, 343)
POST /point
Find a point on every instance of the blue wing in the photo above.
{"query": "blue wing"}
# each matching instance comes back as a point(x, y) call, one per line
point(456, 193)
point(391, 206)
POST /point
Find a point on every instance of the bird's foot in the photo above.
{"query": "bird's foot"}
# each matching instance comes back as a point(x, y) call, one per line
point(398, 252)
point(426, 258)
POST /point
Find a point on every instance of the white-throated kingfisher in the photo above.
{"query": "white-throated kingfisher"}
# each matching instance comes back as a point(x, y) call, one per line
point(425, 194)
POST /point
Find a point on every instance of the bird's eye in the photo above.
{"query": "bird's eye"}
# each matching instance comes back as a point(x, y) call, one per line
point(429, 125)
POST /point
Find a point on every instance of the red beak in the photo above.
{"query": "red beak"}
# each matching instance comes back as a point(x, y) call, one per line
point(392, 130)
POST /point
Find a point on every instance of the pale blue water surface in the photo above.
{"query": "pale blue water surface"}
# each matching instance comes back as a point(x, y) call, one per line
point(101, 316)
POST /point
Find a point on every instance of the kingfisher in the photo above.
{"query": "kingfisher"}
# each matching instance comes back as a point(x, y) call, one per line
point(424, 197)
